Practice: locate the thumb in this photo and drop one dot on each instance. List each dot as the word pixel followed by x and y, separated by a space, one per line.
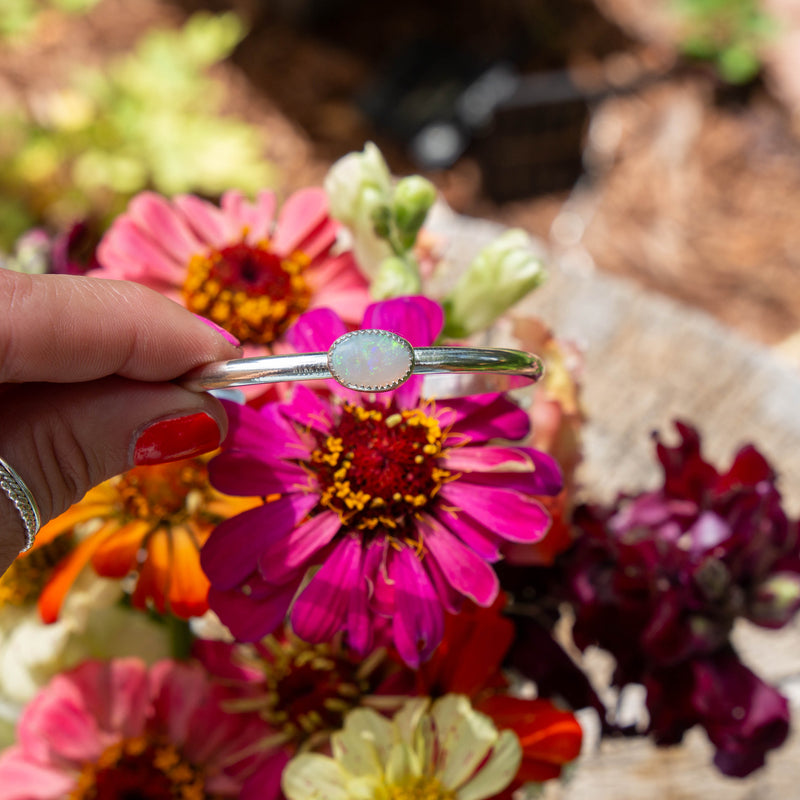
pixel 63 439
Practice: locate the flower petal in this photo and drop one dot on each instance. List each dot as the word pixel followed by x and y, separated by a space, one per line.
pixel 337 273
pixel 117 262
pixel 245 474
pixel 466 739
pixel 156 216
pixel 251 618
pixel 465 571
pixel 23 779
pixel 364 612
pixel 155 573
pixel 349 300
pixel 299 217
pixel 131 241
pixel 59 727
pixel 308 409
pixel 210 224
pixel 483 541
pixel 365 743
pixel 512 515
pixel 265 782
pixel 315 331
pixel 549 736
pixel 80 512
pixel 523 469
pixel 452 601
pixel 320 611
pixel 418 623
pixel 115 693
pixel 484 417
pixel 417 319
pixel 177 689
pixel 320 240
pixel 262 431
pixel 497 772
pixel 117 555
pixel 188 585
pixel 231 553
pixel 64 575
pixel 253 218
pixel 311 775
pixel 294 551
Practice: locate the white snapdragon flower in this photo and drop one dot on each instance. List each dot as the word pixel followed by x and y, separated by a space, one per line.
pixel 499 276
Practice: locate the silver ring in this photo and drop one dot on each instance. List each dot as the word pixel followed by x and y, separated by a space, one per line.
pixel 368 360
pixel 20 495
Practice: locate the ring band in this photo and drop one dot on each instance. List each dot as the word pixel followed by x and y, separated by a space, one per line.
pixel 18 493
pixel 368 360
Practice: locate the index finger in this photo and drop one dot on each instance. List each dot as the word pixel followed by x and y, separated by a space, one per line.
pixel 62 328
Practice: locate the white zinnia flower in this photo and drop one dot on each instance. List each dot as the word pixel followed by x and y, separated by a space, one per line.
pixel 443 751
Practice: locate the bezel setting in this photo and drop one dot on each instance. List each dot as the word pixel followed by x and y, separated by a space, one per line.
pixel 343 358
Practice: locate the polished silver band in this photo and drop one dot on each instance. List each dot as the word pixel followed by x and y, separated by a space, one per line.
pixel 18 493
pixel 380 361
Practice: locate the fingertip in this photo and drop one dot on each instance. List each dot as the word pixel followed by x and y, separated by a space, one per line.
pixel 226 335
pixel 176 438
pixel 67 329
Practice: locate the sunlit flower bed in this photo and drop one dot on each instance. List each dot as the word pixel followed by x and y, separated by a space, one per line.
pixel 357 595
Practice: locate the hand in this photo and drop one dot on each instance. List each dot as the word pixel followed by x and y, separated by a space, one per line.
pixel 85 392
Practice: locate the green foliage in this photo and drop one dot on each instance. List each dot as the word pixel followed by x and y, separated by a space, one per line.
pixel 149 119
pixel 728 33
pixel 18 18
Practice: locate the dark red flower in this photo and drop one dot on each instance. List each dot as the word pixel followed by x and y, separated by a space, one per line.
pixel 743 716
pixel 659 579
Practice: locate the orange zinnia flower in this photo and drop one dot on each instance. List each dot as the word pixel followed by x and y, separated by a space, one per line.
pixel 153 520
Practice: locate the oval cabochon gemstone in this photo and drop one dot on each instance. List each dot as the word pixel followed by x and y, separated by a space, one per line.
pixel 370 360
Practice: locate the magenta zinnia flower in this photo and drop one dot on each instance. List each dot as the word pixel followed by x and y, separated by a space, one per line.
pixel 118 729
pixel 236 264
pixel 399 502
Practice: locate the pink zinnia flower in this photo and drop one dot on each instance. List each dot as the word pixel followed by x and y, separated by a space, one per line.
pixel 236 264
pixel 118 729
pixel 400 501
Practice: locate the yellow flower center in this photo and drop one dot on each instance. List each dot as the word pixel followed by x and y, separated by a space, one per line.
pixel 24 580
pixel 159 493
pixel 248 290
pixel 379 467
pixel 140 769
pixel 422 788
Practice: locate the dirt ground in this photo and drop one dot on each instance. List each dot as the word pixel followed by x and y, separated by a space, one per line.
pixel 685 191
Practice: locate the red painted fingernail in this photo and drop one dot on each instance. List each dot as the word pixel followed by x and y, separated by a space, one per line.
pixel 176 438
pixel 227 335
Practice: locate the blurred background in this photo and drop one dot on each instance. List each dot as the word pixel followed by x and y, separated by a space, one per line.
pixel 652 138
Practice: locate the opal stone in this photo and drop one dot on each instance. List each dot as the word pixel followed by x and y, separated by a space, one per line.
pixel 370 360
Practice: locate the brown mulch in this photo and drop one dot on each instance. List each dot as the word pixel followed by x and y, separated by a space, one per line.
pixel 698 201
